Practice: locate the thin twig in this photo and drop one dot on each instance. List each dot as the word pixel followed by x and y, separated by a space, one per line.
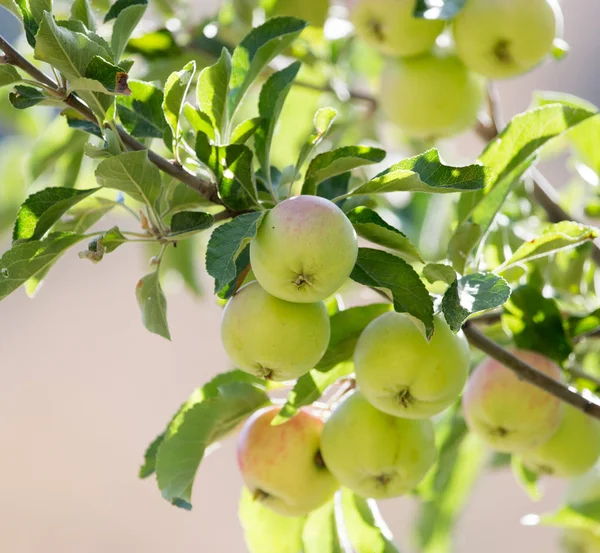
pixel 204 187
pixel 526 372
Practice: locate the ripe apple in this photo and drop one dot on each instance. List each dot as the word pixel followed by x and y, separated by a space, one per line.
pixel 504 38
pixel 282 465
pixel 403 374
pixel 313 11
pixel 389 26
pixel 430 96
pixel 304 250
pixel 510 414
pixel 375 454
pixel 271 338
pixel 580 540
pixel 572 450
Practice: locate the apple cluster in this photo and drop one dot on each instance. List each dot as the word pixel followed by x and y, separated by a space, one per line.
pixel 431 91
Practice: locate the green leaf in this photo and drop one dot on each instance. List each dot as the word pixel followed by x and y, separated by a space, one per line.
pixel 309 388
pixel 472 294
pixel 199 121
pixel 199 426
pixel 84 215
pixel 141 112
pixel 225 246
pixel 461 244
pixel 272 97
pixel 527 479
pixel 41 210
pixel 176 91
pixel 127 20
pixel 186 223
pixel 363 524
pixel 104 77
pixel 346 328
pixel 12 7
pixel 256 51
pixel 24 97
pixel 237 185
pixel 28 259
pixel 435 272
pixel 425 173
pixel 320 533
pixel 438 9
pixel 32 12
pixel 245 130
pixel 180 197
pixel 153 304
pixel 580 326
pixel 8 75
pixel 383 270
pixel 133 174
pixel 536 324
pixel 82 11
pixel 370 226
pixel 267 532
pixel 336 162
pixel 556 237
pixel 121 5
pixel 446 487
pixel 107 243
pixel 149 466
pixel 212 89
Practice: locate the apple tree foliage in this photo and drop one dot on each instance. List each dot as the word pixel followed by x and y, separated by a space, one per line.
pixel 191 135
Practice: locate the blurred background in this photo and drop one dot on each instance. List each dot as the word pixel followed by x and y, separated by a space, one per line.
pixel 84 387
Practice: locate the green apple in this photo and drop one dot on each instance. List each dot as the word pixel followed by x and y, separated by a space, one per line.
pixel 504 38
pixel 509 414
pixel 271 338
pixel 572 450
pixel 580 540
pixel 403 374
pixel 389 26
pixel 431 96
pixel 313 11
pixel 282 465
pixel 305 249
pixel 375 454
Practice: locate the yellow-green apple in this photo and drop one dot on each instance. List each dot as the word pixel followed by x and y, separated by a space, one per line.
pixel 272 338
pixel 572 450
pixel 282 465
pixel 509 414
pixel 504 38
pixel 313 11
pixel 430 96
pixel 375 454
pixel 580 540
pixel 403 374
pixel 390 26
pixel 304 250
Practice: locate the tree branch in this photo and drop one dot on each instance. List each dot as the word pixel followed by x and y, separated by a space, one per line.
pixel 205 188
pixel 526 372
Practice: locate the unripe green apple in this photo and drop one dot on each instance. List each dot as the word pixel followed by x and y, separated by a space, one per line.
pixel 403 374
pixel 282 465
pixel 389 26
pixel 271 338
pixel 580 540
pixel 504 38
pixel 313 11
pixel 375 454
pixel 304 250
pixel 572 450
pixel 510 414
pixel 430 96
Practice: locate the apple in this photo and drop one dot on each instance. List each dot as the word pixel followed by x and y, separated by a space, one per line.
pixel 509 414
pixel 375 454
pixel 313 11
pixel 505 38
pixel 430 96
pixel 271 338
pixel 282 465
pixel 389 26
pixel 572 450
pixel 304 250
pixel 403 374
pixel 580 540
pixel 584 489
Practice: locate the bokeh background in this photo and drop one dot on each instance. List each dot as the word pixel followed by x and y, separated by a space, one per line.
pixel 84 388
